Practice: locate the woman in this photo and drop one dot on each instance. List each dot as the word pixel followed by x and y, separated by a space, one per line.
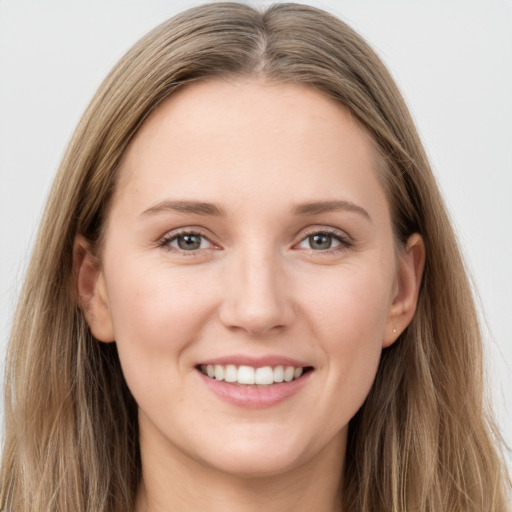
pixel 246 292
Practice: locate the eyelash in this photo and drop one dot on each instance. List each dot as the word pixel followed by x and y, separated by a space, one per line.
pixel 345 241
pixel 166 240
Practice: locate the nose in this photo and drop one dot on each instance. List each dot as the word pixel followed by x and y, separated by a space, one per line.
pixel 257 296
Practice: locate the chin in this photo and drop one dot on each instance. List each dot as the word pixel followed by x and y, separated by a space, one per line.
pixel 257 456
pixel 257 464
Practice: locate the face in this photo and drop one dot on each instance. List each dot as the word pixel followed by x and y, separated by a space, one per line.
pixel 249 276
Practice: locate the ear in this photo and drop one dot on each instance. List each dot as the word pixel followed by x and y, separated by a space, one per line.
pixel 91 290
pixel 408 281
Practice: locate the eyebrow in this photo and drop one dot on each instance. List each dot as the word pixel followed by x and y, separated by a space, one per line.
pixel 212 209
pixel 195 207
pixel 315 208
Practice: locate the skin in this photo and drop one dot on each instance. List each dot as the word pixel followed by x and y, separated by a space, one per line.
pixel 255 286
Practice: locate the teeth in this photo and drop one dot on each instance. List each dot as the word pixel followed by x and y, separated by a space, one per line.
pixel 219 372
pixel 245 375
pixel 248 375
pixel 289 372
pixel 278 374
pixel 231 373
pixel 264 375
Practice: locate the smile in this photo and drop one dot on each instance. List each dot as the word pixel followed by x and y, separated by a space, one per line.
pixel 254 383
pixel 250 376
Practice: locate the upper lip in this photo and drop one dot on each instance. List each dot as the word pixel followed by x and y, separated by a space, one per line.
pixel 255 362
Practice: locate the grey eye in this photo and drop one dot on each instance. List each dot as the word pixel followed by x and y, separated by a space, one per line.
pixel 189 242
pixel 319 242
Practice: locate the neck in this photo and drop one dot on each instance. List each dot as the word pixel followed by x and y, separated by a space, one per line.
pixel 177 483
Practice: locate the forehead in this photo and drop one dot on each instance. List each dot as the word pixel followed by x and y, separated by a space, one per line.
pixel 250 135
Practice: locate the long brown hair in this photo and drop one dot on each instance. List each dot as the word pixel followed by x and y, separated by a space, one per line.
pixel 422 440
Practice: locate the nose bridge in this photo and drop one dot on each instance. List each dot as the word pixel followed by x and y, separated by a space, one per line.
pixel 255 298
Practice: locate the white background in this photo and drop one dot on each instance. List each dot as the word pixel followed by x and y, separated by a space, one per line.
pixel 451 58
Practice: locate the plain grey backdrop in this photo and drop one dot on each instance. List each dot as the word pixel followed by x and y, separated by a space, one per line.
pixel 452 60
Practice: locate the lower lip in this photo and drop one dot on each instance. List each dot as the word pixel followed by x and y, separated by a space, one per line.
pixel 254 397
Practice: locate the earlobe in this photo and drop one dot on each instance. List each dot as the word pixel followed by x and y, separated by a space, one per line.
pixel 91 290
pixel 409 275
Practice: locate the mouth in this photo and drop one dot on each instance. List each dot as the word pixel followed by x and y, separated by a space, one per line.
pixel 254 377
pixel 252 382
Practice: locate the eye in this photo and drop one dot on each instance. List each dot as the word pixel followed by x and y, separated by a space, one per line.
pixel 186 241
pixel 324 241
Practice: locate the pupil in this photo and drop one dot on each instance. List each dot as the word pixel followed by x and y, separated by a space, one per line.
pixel 321 242
pixel 189 242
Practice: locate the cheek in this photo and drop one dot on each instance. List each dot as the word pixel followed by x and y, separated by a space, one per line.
pixel 156 311
pixel 157 314
pixel 349 319
pixel 353 307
